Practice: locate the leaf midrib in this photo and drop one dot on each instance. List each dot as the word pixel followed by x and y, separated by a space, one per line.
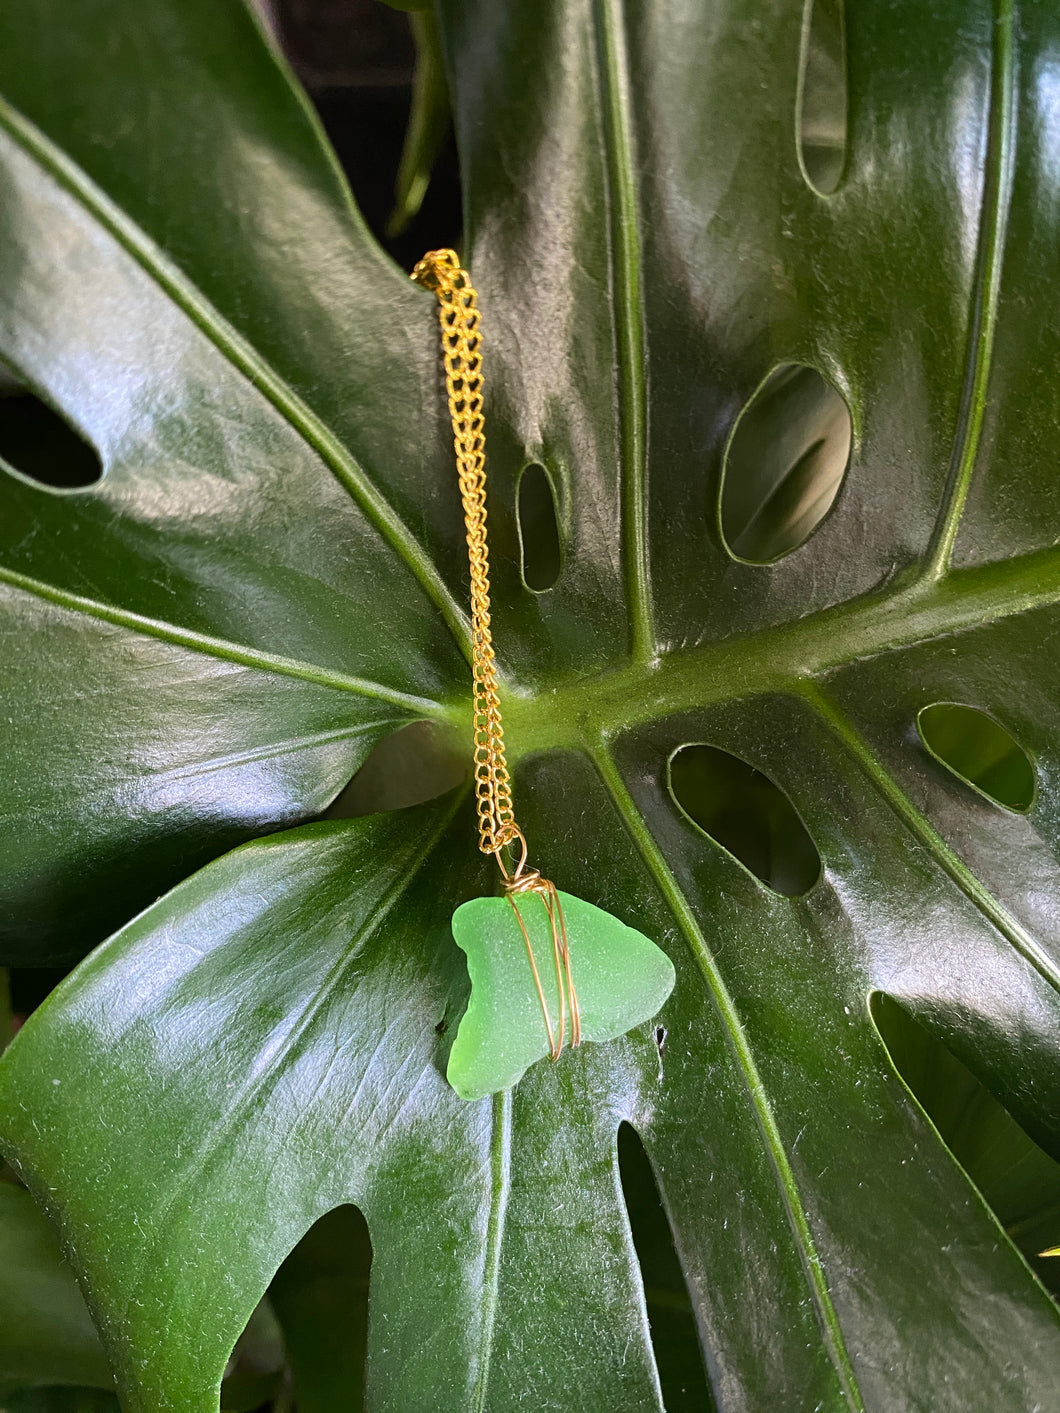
pixel 612 68
pixel 778 658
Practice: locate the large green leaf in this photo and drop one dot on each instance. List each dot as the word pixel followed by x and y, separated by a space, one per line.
pixel 267 581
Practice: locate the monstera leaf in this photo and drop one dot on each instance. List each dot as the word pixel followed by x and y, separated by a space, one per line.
pixel 717 247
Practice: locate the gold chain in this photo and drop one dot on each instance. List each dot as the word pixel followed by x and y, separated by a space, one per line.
pixel 440 271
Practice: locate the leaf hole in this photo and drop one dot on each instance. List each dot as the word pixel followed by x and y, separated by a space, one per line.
pixel 1017 1179
pixel 39 442
pixel 821 102
pixel 660 1038
pixel 671 1319
pixel 741 809
pixel 784 465
pixel 320 1296
pixel 417 763
pixel 539 539
pixel 979 751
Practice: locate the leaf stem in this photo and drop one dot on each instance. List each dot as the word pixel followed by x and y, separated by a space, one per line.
pixel 779 658
pixel 428 124
pixel 626 264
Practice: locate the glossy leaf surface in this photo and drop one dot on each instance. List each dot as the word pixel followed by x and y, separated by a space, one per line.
pixel 268 580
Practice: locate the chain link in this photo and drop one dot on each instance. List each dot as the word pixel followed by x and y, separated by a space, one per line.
pixel 440 271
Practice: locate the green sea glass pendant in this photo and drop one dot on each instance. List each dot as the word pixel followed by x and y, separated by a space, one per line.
pixel 537 958
pixel 622 978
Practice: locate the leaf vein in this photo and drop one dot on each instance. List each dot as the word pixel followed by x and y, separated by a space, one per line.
pixel 242 356
pixel 626 263
pixel 266 1066
pixel 500 1187
pixel 1009 927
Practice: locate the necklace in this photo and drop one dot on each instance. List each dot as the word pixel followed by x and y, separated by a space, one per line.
pixel 622 977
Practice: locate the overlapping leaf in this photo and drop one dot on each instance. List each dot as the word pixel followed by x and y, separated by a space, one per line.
pixel 46 1336
pixel 266 581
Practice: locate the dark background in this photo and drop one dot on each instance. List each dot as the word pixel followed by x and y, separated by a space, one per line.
pixel 355 59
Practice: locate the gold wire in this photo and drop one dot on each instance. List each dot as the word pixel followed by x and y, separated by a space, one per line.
pixel 553 1048
pixel 440 272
